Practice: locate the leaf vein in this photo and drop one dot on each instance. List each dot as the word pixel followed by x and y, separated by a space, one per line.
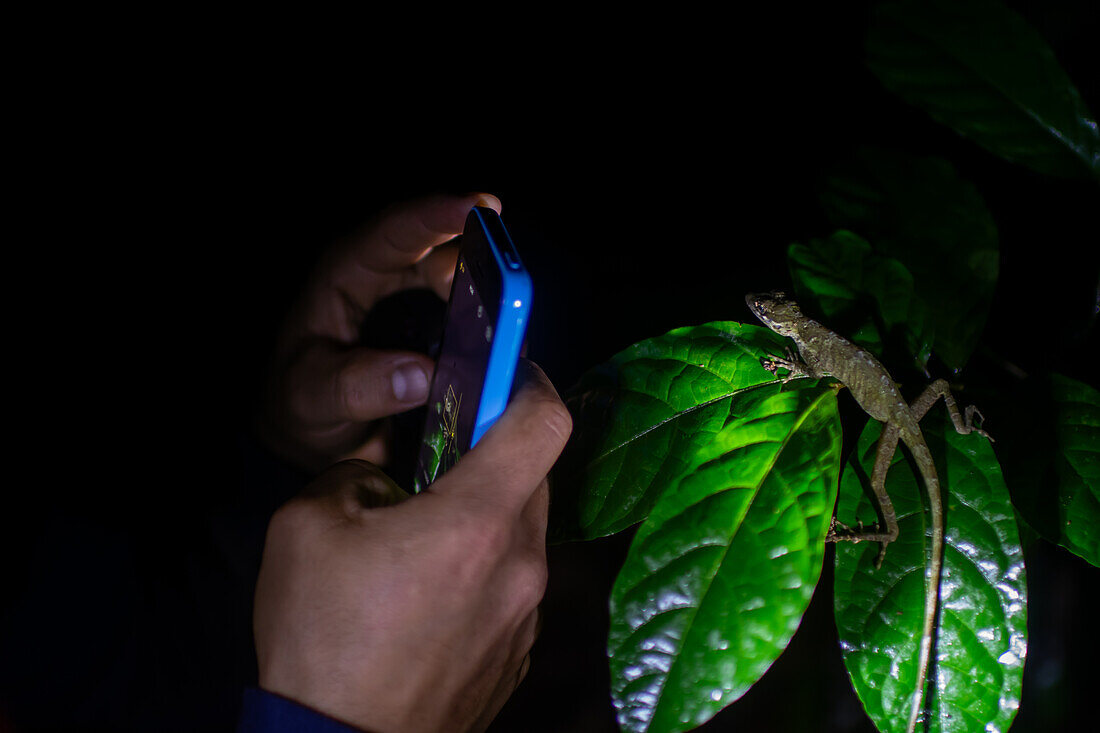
pixel 813 406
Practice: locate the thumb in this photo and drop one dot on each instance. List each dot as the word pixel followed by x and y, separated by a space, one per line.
pixel 510 462
pixel 330 385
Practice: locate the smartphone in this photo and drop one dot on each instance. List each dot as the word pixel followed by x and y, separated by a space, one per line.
pixel 483 334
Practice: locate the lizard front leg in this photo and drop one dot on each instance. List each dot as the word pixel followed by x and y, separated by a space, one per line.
pixel 795 366
pixel 884 453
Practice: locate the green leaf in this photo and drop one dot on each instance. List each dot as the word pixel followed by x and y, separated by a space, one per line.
pixel 718 577
pixel 434 442
pixel 640 417
pixel 1055 471
pixel 861 294
pixel 919 212
pixel 1078 466
pixel 977 67
pixel 975 680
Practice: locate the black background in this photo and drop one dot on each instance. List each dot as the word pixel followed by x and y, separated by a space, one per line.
pixel 651 170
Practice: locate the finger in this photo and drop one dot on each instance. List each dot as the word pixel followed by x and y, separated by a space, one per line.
pixel 376 448
pixel 401 236
pixel 403 233
pixel 391 254
pixel 525 639
pixel 510 462
pixel 330 386
pixel 437 270
pixel 352 486
pixel 524 666
pixel 536 514
pixel 515 670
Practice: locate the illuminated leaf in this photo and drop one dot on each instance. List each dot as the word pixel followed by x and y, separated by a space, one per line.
pixel 980 639
pixel 718 577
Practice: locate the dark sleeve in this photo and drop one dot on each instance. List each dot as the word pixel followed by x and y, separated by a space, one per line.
pixel 266 712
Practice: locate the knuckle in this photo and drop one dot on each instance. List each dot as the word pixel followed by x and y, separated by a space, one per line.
pixel 530 585
pixel 480 537
pixel 290 522
pixel 351 390
pixel 474 558
pixel 491 541
pixel 556 419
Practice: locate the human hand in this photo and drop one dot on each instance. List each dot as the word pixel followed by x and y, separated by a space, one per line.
pixel 327 392
pixel 416 616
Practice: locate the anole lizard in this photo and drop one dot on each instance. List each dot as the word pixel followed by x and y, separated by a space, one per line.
pixel 824 353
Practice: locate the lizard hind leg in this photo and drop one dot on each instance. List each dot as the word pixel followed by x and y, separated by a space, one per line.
pixel 888 531
pixel 963 422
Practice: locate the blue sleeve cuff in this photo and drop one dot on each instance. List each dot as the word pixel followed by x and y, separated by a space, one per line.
pixel 266 712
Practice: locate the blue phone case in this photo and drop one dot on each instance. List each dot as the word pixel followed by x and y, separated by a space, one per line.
pixel 486 323
pixel 511 325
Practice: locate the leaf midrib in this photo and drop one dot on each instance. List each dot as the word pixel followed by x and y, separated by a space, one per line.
pixel 670 418
pixel 682 413
pixel 725 552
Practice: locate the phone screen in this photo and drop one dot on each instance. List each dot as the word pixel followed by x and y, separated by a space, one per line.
pixel 456 387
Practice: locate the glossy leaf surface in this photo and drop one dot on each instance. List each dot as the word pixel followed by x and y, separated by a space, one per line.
pixel 981 632
pixel 1078 466
pixel 861 293
pixel 640 417
pixel 977 67
pixel 1055 469
pixel 719 575
pixel 919 212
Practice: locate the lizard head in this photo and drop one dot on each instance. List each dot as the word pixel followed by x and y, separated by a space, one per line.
pixel 775 311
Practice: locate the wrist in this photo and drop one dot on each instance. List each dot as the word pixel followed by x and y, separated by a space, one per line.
pixel 264 711
pixel 355 706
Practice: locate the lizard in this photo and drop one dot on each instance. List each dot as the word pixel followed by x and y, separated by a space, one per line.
pixel 827 354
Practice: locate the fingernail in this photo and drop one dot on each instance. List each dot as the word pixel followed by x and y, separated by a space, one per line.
pixel 488 200
pixel 410 383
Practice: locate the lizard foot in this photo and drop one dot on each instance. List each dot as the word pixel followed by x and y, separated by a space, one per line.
pixel 845 533
pixel 969 414
pixel 840 532
pixel 795 368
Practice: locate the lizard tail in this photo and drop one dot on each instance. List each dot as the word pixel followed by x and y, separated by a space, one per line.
pixel 927 468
